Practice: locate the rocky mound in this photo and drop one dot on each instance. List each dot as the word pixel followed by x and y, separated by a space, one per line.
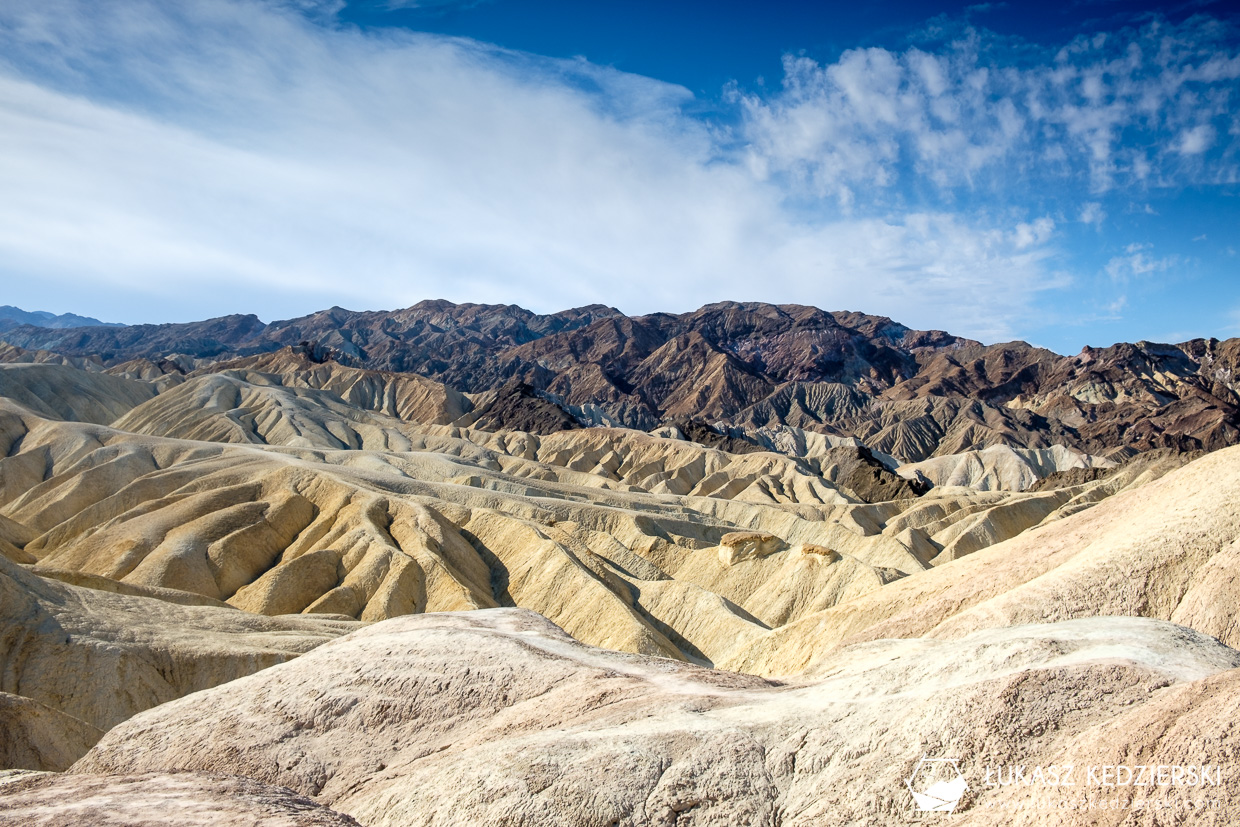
pixel 856 470
pixel 1002 468
pixel 498 717
pixel 37 737
pixel 401 395
pixel 64 392
pixel 612 534
pixel 516 406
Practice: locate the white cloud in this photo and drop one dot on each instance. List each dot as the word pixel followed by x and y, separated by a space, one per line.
pixel 1039 232
pixel 313 8
pixel 1196 140
pixel 194 156
pixel 1092 213
pixel 393 5
pixel 1137 263
pixel 858 122
pixel 1115 308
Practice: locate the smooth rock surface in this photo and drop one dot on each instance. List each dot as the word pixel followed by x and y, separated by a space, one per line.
pixel 497 717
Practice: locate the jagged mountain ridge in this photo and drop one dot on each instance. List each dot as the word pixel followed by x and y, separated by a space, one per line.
pixel 743 366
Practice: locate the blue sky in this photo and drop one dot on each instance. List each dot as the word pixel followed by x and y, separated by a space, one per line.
pixel 1067 174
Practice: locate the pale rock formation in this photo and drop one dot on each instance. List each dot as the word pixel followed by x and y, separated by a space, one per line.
pixel 667 432
pixel 14 553
pixel 64 392
pixel 1000 467
pixel 1162 550
pixel 801 443
pixel 107 584
pixel 496 717
pixel 738 546
pixel 183 799
pixel 13 537
pixel 583 527
pixel 291 588
pixel 227 408
pixel 404 396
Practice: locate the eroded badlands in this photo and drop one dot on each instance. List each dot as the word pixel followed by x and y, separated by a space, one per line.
pixel 287 590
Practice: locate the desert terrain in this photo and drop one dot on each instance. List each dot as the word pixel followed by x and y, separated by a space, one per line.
pixel 755 564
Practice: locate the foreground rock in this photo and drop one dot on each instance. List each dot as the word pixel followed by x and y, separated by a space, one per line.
pixel 155 800
pixel 497 717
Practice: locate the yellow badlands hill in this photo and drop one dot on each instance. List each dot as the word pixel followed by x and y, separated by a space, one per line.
pixel 616 536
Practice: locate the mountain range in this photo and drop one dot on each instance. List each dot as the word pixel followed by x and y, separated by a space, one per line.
pixel 11 317
pixel 729 371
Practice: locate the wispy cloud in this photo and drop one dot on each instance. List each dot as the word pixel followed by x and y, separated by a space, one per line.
pixel 1092 213
pixel 1137 262
pixel 171 151
pixel 196 158
pixel 393 5
pixel 1196 140
pixel 1142 106
pixel 1035 233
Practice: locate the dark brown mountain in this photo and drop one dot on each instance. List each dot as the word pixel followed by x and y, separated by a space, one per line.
pixel 518 407
pixel 744 366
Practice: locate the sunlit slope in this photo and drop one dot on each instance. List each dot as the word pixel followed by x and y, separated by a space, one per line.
pixel 1166 549
pixel 65 392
